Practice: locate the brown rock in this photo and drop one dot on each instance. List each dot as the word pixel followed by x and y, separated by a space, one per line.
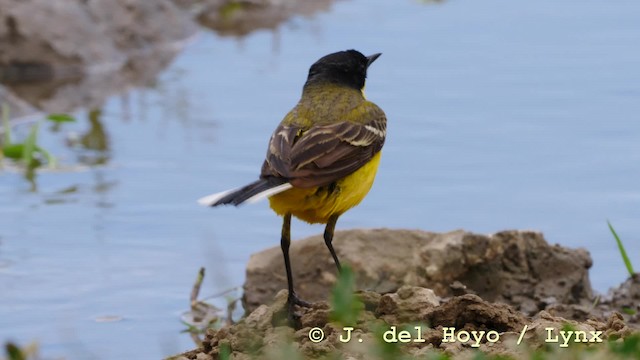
pixel 624 301
pixel 90 49
pixel 514 267
pixel 409 304
pixel 85 36
pixel 470 312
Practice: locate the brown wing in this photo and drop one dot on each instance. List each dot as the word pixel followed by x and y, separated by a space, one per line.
pixel 322 154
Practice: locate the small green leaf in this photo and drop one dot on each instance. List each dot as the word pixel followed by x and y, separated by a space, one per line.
pixel 60 118
pixel 225 351
pixel 13 151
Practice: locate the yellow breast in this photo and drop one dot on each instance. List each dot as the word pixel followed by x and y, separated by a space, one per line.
pixel 316 205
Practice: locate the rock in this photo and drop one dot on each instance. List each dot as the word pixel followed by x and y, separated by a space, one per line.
pixel 82 36
pixel 204 357
pixel 470 312
pixel 571 311
pixel 514 267
pixel 624 300
pixel 410 302
pixel 91 49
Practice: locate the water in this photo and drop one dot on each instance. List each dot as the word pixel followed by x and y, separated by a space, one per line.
pixel 502 115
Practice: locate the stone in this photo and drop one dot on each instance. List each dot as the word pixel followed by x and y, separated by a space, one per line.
pixel 90 50
pixel 514 267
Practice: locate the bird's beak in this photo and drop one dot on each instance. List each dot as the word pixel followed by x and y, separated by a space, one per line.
pixel 372 58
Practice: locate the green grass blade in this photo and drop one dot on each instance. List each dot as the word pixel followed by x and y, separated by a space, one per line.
pixel 623 252
pixel 5 123
pixel 345 305
pixel 30 145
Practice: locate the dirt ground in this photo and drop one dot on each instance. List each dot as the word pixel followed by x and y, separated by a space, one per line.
pixel 507 294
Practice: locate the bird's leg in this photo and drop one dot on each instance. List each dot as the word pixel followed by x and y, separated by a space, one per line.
pixel 328 238
pixel 285 241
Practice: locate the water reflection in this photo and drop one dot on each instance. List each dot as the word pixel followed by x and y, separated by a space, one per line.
pixel 91 91
pixel 63 196
pixel 102 188
pixel 43 81
pixel 30 176
pixel 96 140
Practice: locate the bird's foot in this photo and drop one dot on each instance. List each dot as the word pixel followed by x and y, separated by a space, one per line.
pixel 295 300
pixel 294 317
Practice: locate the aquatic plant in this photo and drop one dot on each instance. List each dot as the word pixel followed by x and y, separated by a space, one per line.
pixel 27 153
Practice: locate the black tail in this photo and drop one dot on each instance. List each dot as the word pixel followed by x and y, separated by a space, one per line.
pixel 243 194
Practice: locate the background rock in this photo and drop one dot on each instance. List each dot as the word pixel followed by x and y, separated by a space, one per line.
pixel 515 267
pixel 624 299
pixel 90 49
pixel 57 56
pixel 52 39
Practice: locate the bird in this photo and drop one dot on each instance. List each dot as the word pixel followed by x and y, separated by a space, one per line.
pixel 322 158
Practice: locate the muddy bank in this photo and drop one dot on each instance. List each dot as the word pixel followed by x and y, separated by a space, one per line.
pixel 496 284
pixel 412 321
pixel 93 49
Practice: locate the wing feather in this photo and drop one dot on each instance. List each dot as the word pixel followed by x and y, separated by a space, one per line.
pixel 321 154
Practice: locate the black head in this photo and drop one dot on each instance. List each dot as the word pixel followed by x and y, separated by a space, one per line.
pixel 347 68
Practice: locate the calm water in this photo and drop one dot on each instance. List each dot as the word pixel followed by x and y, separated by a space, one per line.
pixel 502 115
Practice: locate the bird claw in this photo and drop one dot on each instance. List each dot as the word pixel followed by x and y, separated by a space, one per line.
pixel 294 317
pixel 295 300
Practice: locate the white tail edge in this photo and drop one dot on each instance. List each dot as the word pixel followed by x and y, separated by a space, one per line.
pixel 209 200
pixel 265 194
